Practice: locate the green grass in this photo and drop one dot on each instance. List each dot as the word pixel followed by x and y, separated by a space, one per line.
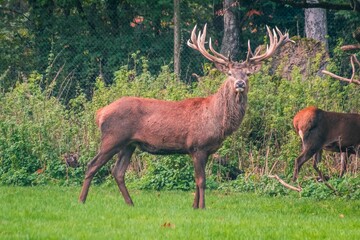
pixel 53 212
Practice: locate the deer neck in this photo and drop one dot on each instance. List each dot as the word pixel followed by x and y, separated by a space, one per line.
pixel 230 107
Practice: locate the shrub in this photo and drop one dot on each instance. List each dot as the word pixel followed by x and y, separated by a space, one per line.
pixel 36 129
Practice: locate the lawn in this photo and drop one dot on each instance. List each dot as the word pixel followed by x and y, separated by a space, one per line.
pixel 53 212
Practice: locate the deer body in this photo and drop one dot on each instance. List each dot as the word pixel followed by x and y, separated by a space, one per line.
pixel 167 127
pixel 194 126
pixel 320 130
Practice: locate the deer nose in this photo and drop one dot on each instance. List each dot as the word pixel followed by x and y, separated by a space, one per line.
pixel 240 85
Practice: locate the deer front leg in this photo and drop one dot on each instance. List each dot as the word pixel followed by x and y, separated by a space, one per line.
pixel 98 161
pixel 199 160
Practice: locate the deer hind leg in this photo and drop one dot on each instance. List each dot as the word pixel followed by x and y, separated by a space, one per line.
pixel 107 151
pixel 317 159
pixel 119 170
pixel 199 160
pixel 305 155
pixel 343 162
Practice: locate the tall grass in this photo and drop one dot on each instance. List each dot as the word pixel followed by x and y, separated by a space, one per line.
pixel 54 213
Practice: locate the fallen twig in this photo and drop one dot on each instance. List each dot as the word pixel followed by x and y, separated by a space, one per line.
pixel 298 189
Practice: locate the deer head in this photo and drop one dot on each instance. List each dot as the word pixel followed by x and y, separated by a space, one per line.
pixel 238 71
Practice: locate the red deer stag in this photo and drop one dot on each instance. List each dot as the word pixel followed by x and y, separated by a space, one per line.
pixel 320 130
pixel 195 126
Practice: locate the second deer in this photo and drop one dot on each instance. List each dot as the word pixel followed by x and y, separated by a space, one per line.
pixel 320 130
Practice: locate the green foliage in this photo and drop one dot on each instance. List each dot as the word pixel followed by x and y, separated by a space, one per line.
pixel 174 172
pixel 37 130
pixel 346 188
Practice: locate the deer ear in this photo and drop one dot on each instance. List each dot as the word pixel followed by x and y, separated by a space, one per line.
pixel 222 67
pixel 253 68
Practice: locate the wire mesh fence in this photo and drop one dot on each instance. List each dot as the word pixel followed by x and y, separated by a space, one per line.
pixel 74 50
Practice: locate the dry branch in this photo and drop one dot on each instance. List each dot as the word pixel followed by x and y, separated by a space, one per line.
pixel 298 189
pixel 350 47
pixel 353 60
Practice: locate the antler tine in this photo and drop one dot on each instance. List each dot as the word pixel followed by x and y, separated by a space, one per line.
pixel 257 57
pixel 249 53
pixel 215 52
pixel 273 42
pixel 193 39
pixel 202 36
pixel 272 36
pixel 279 32
pixel 198 43
pixel 201 44
pixel 284 37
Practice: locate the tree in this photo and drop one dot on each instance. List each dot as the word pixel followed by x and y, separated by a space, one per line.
pixel 351 10
pixel 316 23
pixel 230 40
pixel 351 5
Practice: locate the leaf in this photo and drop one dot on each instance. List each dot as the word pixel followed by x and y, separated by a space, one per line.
pixel 168 225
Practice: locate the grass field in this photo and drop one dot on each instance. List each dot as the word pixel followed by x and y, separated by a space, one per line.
pixel 53 213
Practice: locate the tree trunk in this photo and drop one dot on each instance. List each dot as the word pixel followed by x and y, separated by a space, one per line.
pixel 230 41
pixel 177 38
pixel 316 23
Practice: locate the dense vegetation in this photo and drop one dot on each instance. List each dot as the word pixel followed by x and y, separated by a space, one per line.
pixel 62 60
pixel 36 130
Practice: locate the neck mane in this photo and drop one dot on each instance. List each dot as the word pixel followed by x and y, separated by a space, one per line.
pixel 230 107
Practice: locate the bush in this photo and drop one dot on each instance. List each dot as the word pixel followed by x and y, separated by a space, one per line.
pixel 36 129
pixel 173 172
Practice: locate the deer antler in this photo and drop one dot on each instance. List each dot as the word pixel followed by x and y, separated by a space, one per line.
pixel 198 43
pixel 275 43
pixel 353 60
pixel 276 40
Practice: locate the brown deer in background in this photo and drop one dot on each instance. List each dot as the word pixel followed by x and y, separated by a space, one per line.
pixel 331 131
pixel 194 126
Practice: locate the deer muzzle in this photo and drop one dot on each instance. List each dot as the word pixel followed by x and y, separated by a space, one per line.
pixel 240 85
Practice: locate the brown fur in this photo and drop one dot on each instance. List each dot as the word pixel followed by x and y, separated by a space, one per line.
pixel 174 126
pixel 195 126
pixel 331 131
